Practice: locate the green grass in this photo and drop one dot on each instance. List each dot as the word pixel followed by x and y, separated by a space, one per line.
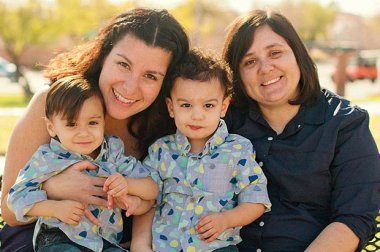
pixel 11 101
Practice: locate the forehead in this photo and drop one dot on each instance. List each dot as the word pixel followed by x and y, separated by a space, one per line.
pixel 264 36
pixel 195 88
pixel 141 54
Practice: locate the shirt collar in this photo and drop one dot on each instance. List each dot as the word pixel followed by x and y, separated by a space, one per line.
pixel 211 145
pixel 313 114
pixel 57 147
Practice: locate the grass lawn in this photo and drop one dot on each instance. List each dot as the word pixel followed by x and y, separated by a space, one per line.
pixel 11 101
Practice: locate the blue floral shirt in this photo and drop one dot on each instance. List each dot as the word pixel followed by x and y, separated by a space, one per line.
pixel 51 159
pixel 194 184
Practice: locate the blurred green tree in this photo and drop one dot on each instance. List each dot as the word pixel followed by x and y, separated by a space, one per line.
pixel 309 17
pixel 40 22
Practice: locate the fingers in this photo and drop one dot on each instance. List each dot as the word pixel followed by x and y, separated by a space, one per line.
pixel 97 191
pixel 202 229
pixel 207 229
pixel 116 185
pixel 91 217
pixel 93 200
pixel 98 181
pixel 208 232
pixel 211 236
pixel 83 165
pixel 110 202
pixel 119 191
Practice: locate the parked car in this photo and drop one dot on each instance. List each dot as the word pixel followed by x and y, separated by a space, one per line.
pixel 7 69
pixel 361 68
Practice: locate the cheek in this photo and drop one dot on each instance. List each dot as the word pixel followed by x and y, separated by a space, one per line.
pixel 150 92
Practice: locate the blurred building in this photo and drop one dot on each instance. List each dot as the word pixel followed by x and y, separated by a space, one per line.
pixel 353 31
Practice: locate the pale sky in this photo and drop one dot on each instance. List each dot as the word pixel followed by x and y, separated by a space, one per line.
pixel 359 7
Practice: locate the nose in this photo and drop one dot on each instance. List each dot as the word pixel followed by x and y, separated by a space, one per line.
pixel 197 113
pixel 131 84
pixel 265 66
pixel 83 131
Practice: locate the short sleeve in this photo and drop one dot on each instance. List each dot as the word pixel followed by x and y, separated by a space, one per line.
pixel 251 181
pixel 151 162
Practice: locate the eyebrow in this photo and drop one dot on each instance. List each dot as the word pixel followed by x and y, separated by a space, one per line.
pixel 130 62
pixel 184 100
pixel 267 47
pixel 94 117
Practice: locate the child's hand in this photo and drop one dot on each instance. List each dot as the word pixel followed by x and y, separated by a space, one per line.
pixel 69 211
pixel 210 227
pixel 116 185
pixel 129 203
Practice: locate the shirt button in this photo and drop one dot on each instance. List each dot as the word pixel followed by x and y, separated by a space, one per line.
pixel 183 229
pixel 192 199
pixel 261 164
pixel 258 250
pixel 261 224
pixel 212 166
pixel 270 138
pixel 299 125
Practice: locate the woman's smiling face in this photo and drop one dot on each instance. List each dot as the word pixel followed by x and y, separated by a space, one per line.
pixel 132 76
pixel 269 69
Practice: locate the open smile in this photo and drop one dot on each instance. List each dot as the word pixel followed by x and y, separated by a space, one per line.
pixel 267 83
pixel 122 99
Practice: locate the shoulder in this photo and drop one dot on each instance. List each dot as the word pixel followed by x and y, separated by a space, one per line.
pixel 341 109
pixel 114 140
pixel 235 116
pixel 163 142
pixel 238 143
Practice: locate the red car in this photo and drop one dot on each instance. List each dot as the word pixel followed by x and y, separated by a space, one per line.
pixel 362 68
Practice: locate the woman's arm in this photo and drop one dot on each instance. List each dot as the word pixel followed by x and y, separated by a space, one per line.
pixel 29 133
pixel 142 232
pixel 335 237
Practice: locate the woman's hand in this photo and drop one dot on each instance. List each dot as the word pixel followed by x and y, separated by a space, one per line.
pixel 72 184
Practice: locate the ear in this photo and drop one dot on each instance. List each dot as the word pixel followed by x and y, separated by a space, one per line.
pixel 225 104
pixel 169 104
pixel 50 128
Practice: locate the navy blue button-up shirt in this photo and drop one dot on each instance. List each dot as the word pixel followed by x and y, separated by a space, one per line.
pixel 323 168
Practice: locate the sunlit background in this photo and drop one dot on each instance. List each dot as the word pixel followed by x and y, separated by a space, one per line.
pixel 33 31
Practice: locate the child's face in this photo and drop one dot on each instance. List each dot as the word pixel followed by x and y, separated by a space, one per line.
pixel 197 107
pixel 86 133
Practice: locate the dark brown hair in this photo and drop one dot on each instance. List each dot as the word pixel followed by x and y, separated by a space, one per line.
pixel 67 95
pixel 240 38
pixel 202 66
pixel 156 28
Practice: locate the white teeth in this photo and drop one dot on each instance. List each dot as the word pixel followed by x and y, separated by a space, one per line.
pixel 123 99
pixel 271 81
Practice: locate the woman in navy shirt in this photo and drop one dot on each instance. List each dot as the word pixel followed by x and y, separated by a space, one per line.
pixel 316 149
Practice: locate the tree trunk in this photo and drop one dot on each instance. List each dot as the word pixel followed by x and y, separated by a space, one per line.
pixel 23 81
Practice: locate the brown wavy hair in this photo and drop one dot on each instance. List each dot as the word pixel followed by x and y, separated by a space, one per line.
pixel 156 28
